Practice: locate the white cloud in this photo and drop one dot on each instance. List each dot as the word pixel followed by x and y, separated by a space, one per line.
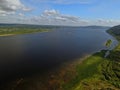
pixel 11 7
pixel 104 22
pixel 67 1
pixel 21 14
pixel 54 17
pixel 50 12
pixel 48 17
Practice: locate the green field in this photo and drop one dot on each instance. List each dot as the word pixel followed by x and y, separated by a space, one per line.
pixel 6 31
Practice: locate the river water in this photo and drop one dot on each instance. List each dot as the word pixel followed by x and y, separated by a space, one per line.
pixel 28 54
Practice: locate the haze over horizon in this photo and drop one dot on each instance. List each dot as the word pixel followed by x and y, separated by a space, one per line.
pixel 60 12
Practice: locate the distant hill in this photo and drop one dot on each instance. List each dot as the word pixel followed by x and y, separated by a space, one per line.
pixel 25 25
pixel 95 27
pixel 49 26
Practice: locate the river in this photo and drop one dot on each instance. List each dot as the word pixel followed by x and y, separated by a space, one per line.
pixel 29 54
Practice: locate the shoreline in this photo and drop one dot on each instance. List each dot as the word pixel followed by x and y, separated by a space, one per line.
pixel 3 35
pixel 53 78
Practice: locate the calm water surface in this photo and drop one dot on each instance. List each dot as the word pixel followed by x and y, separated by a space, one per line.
pixel 24 55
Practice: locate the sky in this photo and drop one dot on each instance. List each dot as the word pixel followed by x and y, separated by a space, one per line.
pixel 61 12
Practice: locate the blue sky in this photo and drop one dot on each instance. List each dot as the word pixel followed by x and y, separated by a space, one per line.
pixel 66 12
pixel 108 9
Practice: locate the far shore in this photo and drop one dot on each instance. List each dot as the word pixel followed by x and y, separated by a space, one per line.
pixel 3 35
pixel 7 35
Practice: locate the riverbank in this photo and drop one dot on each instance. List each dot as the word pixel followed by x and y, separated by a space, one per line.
pixel 98 72
pixel 90 74
pixel 95 73
pixel 10 31
pixel 19 33
pixel 54 79
pixel 7 35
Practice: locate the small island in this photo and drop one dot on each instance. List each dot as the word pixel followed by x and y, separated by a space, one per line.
pixel 108 43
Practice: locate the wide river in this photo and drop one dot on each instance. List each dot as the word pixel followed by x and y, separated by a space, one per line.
pixel 28 54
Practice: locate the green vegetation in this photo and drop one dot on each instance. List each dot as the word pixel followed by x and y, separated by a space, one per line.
pixel 13 30
pixel 88 69
pixel 98 72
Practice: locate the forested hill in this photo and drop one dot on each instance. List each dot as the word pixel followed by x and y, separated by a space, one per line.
pixel 115 31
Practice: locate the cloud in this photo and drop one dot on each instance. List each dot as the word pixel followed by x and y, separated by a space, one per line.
pixel 50 13
pixel 67 1
pixel 11 7
pixel 21 14
pixel 104 22
pixel 47 17
pixel 54 17
pixel 54 14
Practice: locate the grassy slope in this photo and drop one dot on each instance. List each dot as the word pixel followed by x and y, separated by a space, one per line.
pixel 97 72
